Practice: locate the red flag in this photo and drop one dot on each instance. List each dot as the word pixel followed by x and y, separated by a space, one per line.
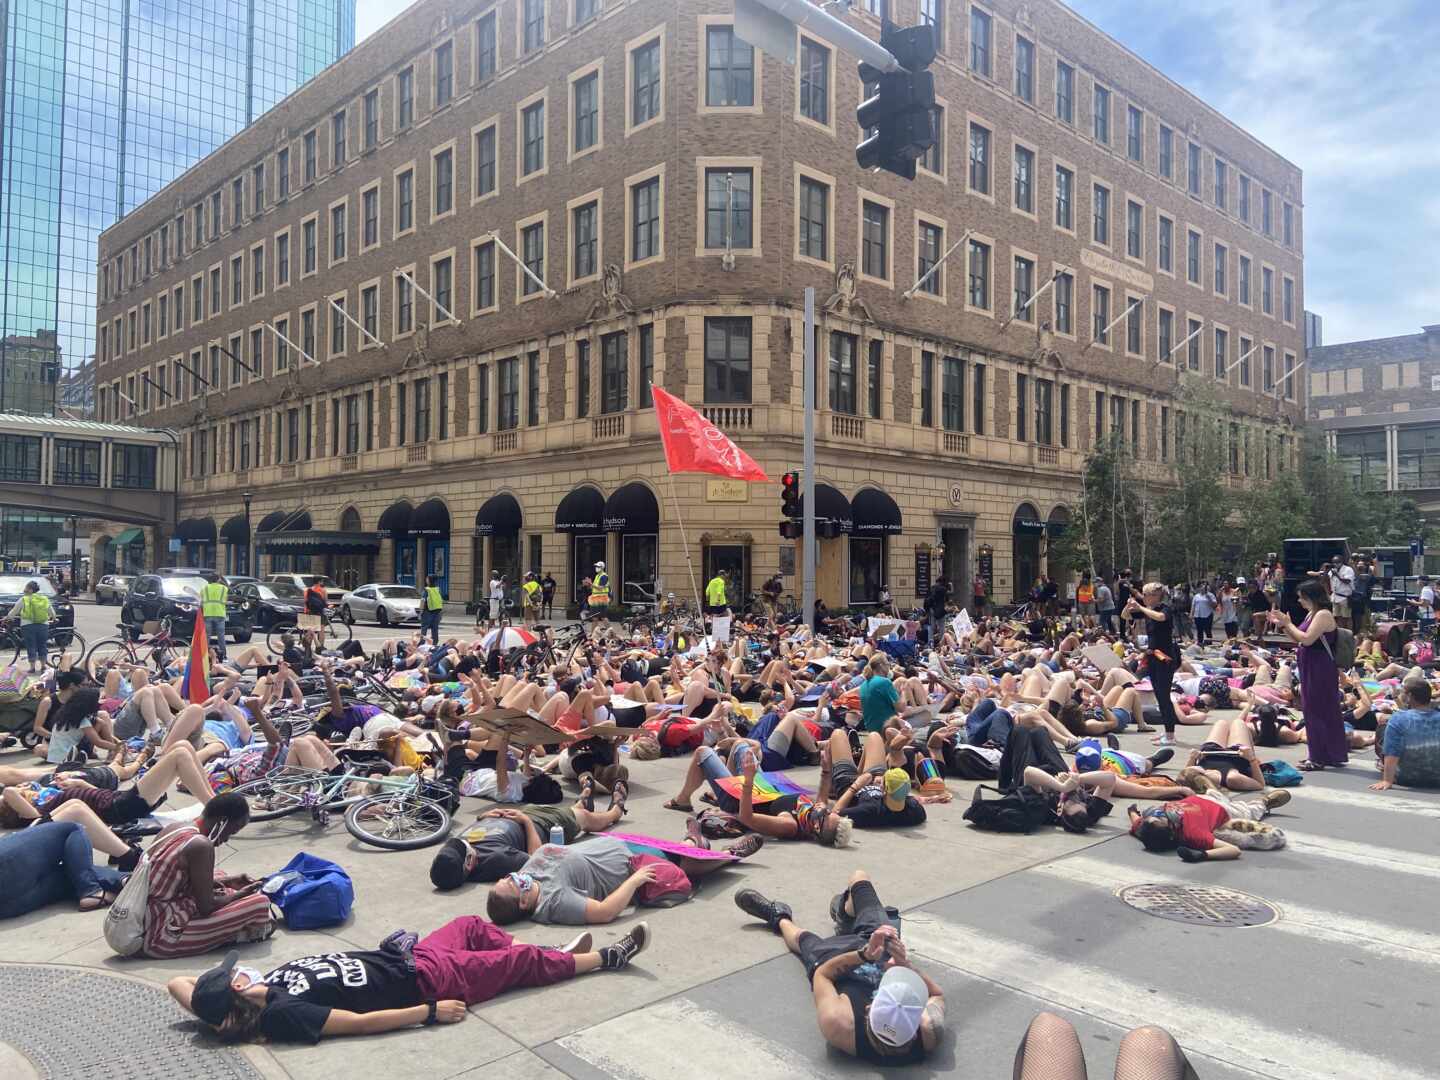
pixel 694 444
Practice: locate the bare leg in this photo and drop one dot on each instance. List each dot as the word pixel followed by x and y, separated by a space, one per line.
pixel 99 834
pixel 310 752
pixel 190 720
pixel 179 762
pixel 594 821
pixel 872 755
pixel 556 707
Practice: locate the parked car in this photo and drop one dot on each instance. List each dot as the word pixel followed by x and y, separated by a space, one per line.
pixel 190 571
pixel 384 604
pixel 272 603
pixel 240 579
pixel 177 597
pixel 12 585
pixel 111 588
pixel 333 592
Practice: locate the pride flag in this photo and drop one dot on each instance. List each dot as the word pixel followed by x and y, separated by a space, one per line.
pixel 197 667
pixel 769 786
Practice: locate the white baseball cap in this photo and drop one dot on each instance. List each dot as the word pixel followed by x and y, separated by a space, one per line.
pixel 599 566
pixel 897 1006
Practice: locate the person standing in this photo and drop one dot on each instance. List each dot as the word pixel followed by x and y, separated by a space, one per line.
pixel 430 613
pixel 1360 597
pixel 715 601
pixel 547 596
pixel 214 595
pixel 1161 654
pixel 1427 608
pixel 1319 677
pixel 1202 610
pixel 770 592
pixel 1342 588
pixel 935 603
pixel 599 598
pixel 1229 610
pixel 496 594
pixel 1085 599
pixel 33 611
pixel 981 593
pixel 530 592
pixel 1105 606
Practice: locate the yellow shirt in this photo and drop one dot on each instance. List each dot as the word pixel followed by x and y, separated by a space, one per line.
pixel 35 608
pixel 715 592
pixel 433 600
pixel 212 599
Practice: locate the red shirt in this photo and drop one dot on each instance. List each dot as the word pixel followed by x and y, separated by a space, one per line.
pixel 1199 818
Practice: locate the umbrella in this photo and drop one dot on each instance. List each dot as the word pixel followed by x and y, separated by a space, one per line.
pixel 508 637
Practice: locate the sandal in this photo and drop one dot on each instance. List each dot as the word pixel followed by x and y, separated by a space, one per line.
pixel 676 804
pixel 1311 766
pixel 587 790
pixel 96 901
pixel 619 792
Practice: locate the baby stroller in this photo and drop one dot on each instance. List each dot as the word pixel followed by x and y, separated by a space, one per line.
pixel 19 696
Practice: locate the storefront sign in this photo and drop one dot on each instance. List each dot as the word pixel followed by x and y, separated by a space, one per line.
pixel 1112 268
pixel 787 560
pixel 723 489
pixel 922 571
pixel 985 564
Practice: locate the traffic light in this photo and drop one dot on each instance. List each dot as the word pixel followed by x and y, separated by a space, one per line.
pixel 790 495
pixel 898 117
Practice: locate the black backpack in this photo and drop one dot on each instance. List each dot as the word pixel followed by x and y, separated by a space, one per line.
pixel 1018 811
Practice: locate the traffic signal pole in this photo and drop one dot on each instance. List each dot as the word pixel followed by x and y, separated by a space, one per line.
pixel 757 17
pixel 807 481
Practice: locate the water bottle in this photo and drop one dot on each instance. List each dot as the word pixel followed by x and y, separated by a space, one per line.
pixel 557 835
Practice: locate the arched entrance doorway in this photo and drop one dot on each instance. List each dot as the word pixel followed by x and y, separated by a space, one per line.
pixel 395 525
pixel 633 513
pixel 1026 532
pixel 498 522
pixel 431 523
pixel 877 518
pixel 1055 567
pixel 581 514
pixel 352 570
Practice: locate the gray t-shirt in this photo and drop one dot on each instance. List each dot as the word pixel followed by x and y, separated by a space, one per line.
pixel 64 740
pixel 1104 598
pixel 568 876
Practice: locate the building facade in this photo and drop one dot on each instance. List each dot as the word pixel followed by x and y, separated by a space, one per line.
pixel 1378 403
pixel 103 103
pixel 349 336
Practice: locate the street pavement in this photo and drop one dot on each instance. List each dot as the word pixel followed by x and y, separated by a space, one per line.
pixel 1341 984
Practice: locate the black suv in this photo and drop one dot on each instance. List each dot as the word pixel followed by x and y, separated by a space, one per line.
pixel 177 597
pixel 271 603
pixel 11 587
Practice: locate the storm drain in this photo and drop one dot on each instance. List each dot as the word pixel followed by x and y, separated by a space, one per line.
pixel 73 1023
pixel 1200 905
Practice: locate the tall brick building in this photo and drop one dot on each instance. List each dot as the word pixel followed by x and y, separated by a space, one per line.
pixel 673 193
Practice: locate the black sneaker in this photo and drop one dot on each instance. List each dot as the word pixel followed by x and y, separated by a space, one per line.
pixel 616 956
pixel 1111 741
pixel 770 912
pixel 844 922
pixel 1161 756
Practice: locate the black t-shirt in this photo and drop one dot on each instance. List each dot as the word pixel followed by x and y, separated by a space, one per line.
pixel 303 991
pixel 1160 634
pixel 869 811
pixel 547 587
pixel 500 851
pixel 468 663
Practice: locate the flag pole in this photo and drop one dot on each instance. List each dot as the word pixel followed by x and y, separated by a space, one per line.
pixel 689 563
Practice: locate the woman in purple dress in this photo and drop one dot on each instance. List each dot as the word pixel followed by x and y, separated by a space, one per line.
pixel 1319 678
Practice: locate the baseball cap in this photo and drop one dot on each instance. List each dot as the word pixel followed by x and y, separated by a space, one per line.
pixel 213 995
pixel 897 1006
pixel 447 871
pixel 897 787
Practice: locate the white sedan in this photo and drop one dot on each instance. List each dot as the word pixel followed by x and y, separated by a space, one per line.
pixel 384 604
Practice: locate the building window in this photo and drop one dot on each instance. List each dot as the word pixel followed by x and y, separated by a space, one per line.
pixel 1024 179
pixel 337 232
pixel 337 326
pixel 405 99
pixel 370 313
pixel 842 372
pixel 729 69
pixel 486 56
pixel 1065 92
pixel 337 137
pixel 875 240
pixel 1045 412
pixel 1222 353
pixel 1024 281
pixel 614 373
pixel 1192 257
pixel 1222 184
pixel 1022 407
pixel 1246 346
pixel 814 81
pixel 583 223
pixel 482 408
pixel 727 360
pixel 1193 353
pixel 404 304
pixel 933 160
pixel 585 10
pixel 444 74
pixel 444 183
pixel 532 389
pixel 533 23
pixel 282 265
pixel 1193 168
pixel 484 276
pixel 928 271
pixel 1064 304
pixel 237 289
pixel 532 122
pixel 1267 369
pixel 1267 290
pixel 309 166
pixel 1102 115
pixel 952 393
pixel 979 275
pixel 1100 231
pixel 532 248
pixel 485 161
pixel 1101 311
pixel 1134 230
pixel 1025 69
pixel 257 282
pixel 1167 153
pixel 370 218
pixel 645 220
pixel 405 201
pixel 442 277
pixel 587 113
pixel 1222 257
pixel 647 364
pixel 1287 294
pixel 582 378
pixel 1287 224
pixel 814 212
pixel 309 232
pixel 420 396
pixel 352 423
pixel 980 29
pixel 1166 335
pixel 237 214
pixel 927 389
pixel 509 395
pixel 645 83
pixel 282 346
pixel 977 405
pixel 1166 245
pixel 371 116
pixel 1134 324
pixel 728 188
pixel 1064 197
pixel 979 159
pixel 1362 456
pixel 875 369
pixel 257 202
pixel 1134 133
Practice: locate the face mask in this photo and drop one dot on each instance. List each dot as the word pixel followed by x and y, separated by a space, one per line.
pixel 522 881
pixel 251 976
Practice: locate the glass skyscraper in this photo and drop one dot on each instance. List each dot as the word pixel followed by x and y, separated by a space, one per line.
pixel 103 103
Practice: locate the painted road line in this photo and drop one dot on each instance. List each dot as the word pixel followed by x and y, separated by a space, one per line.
pixel 1379 939
pixel 646 1044
pixel 1370 856
pixel 1233 1038
pixel 1386 801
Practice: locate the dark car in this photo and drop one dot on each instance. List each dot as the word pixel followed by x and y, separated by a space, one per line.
pixel 177 597
pixel 190 571
pixel 63 612
pixel 272 603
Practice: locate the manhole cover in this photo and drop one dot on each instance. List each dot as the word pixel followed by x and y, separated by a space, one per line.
pixel 1201 905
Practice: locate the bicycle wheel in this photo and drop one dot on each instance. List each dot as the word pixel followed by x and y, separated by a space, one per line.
pixel 272 639
pixel 336 631
pixel 283 792
pixel 74 646
pixel 398 821
pixel 105 654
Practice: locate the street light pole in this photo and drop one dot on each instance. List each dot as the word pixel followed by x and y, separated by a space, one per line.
pixel 249 540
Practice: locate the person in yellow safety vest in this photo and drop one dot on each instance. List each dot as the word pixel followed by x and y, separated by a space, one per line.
pixel 715 603
pixel 430 613
pixel 213 597
pixel 33 611
pixel 531 591
pixel 600 587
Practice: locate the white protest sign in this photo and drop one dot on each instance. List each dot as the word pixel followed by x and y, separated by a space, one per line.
pixel 720 629
pixel 962 625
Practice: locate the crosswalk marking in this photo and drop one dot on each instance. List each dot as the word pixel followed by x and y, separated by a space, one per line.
pixel 1384 802
pixel 1379 939
pixel 1232 1036
pixel 642 1045
pixel 1370 856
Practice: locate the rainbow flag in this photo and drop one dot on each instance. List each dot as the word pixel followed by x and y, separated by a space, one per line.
pixel 769 786
pixel 197 667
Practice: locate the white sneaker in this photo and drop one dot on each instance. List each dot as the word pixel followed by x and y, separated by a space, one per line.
pixel 1164 740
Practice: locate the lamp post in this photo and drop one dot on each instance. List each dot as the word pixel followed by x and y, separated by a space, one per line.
pixel 249 540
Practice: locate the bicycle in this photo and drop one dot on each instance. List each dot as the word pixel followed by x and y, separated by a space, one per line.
pixel 58 641
pixel 333 632
pixel 160 651
pixel 401 816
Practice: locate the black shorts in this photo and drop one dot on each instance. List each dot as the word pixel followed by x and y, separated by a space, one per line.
pixel 870 915
pixel 842 775
pixel 628 716
pixel 129 805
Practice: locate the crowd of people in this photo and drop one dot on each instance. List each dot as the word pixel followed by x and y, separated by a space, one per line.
pixel 791 732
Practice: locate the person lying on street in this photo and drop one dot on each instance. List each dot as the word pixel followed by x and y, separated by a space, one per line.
pixel 504 838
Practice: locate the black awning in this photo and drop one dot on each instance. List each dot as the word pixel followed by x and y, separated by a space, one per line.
pixel 582 511
pixel 1058 521
pixel 832 510
pixel 320 542
pixel 632 509
pixel 431 518
pixel 395 521
pixel 875 513
pixel 196 530
pixel 285 521
pixel 500 516
pixel 236 530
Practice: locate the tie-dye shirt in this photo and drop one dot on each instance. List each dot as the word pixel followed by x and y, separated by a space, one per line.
pixel 1413 736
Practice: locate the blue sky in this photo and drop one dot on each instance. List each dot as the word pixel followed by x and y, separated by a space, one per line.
pixel 1346 89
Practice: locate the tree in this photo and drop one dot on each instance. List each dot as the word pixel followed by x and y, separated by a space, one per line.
pixel 1110 527
pixel 1266 513
pixel 1192 517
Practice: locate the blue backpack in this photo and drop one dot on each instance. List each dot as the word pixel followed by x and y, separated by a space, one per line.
pixel 1281 774
pixel 312 893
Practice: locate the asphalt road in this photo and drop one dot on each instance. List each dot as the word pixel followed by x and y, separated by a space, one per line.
pixel 1340 984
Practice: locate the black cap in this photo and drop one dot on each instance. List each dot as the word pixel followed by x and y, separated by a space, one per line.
pixel 447 870
pixel 213 995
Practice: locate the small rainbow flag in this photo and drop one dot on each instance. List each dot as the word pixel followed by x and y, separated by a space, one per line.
pixel 197 667
pixel 769 786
